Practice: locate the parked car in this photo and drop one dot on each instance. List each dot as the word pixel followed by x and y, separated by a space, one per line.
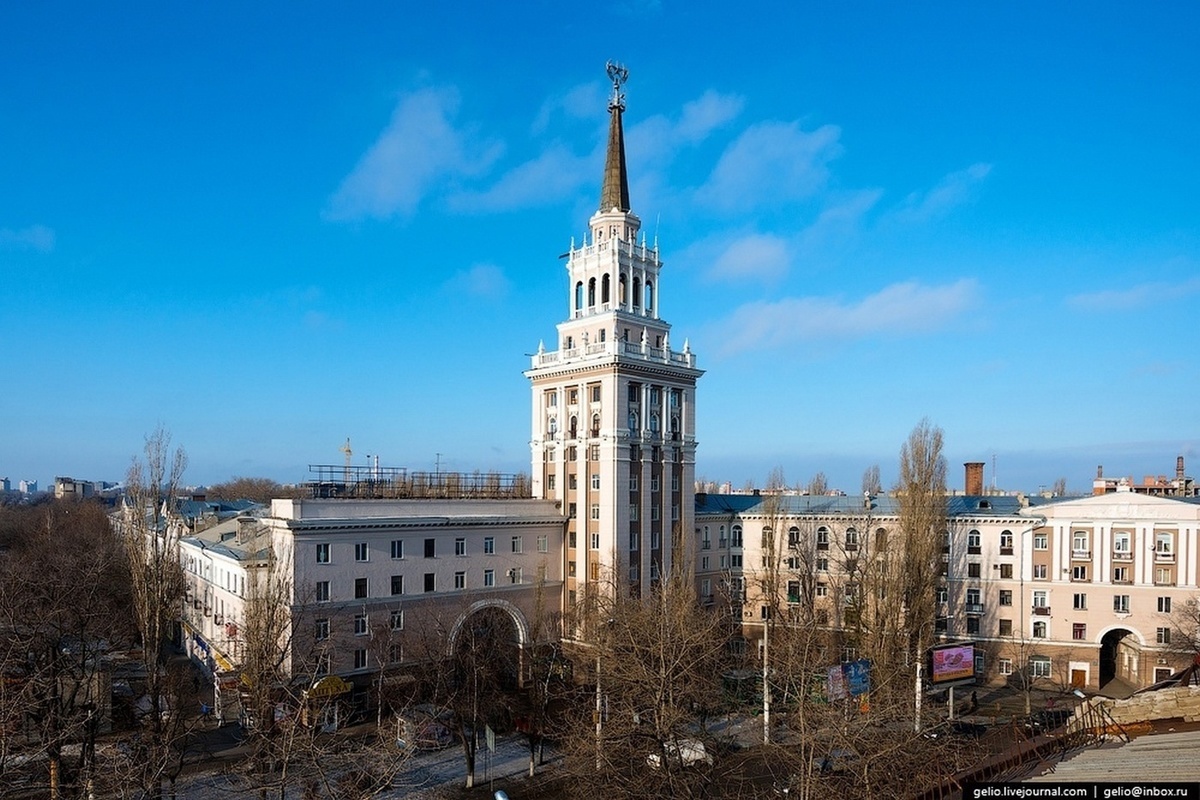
pixel 687 752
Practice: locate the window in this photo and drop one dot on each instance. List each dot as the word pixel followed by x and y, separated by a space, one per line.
pixel 397 584
pixel 633 513
pixel 596 388
pixel 595 511
pixel 360 551
pixel 595 540
pixel 633 541
pixel 460 580
pixel 1120 574
pixel 431 548
pixel 1004 666
pixel 1164 543
pixel 360 625
pixel 572 481
pixel 1006 597
pixel 489 577
pixel 397 548
pixel 1121 603
pixel 735 561
pixel 1078 631
pixel 973 598
pixel 360 658
pixel 396 653
pixel 706 540
pixel 1164 605
pixel 1041 541
pixel 596 481
pixel 1079 601
pixel 361 587
pixel 823 565
pixel 322 591
pixel 1039 666
pixel 517 545
pixel 1121 541
pixel 706 587
pixel 1039 630
pixel 822 538
pixel 321 664
pixel 1164 576
pixel 973 625
pixel 1006 571
pixel 735 535
pixel 550 481
pixel 1006 543
pixel 1079 572
pixel 594 452
pixel 633 483
pixel 654 516
pixel 851 539
pixel 1041 599
pixel 323 553
pixel 460 546
pixel 973 569
pixel 1039 572
pixel 704 563
pixel 1163 635
pixel 430 582
pixel 322 630
pixel 1080 541
pixel 397 619
pixel 489 545
pixel 515 575
pixel 822 590
pixel 1006 627
pixel 974 542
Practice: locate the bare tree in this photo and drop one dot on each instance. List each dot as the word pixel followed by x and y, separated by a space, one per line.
pixel 871 484
pixel 157 584
pixel 63 604
pixel 921 494
pixel 818 484
pixel 658 662
pixel 1060 487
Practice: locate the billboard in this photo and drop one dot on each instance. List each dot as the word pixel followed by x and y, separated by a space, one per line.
pixel 955 662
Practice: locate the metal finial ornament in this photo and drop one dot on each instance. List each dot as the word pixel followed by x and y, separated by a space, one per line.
pixel 618 75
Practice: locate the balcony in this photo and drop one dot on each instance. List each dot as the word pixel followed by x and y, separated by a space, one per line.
pixel 974 608
pixel 1006 551
pixel 1041 611
pixel 1081 555
pixel 1164 557
pixel 1122 555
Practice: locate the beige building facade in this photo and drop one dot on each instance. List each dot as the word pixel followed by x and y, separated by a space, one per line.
pixel 1071 593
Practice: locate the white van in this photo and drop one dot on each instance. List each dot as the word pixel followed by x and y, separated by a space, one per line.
pixel 686 751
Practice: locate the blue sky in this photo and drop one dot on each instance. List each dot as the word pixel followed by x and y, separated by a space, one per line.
pixel 269 229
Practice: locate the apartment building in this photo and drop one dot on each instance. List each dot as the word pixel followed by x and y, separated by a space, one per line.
pixel 1074 592
pixel 373 584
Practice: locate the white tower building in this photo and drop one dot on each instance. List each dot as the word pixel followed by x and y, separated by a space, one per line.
pixel 614 405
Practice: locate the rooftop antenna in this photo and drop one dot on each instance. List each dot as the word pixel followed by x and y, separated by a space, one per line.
pixel 346 449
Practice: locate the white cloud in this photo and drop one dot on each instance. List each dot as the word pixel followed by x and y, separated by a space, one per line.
pixel 771 162
pixel 1139 295
pixel 761 256
pixel 900 309
pixel 553 175
pixel 35 237
pixel 702 116
pixel 950 192
pixel 585 101
pixel 419 150
pixel 481 280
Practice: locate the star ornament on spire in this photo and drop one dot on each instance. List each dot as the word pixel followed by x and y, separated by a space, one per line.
pixel 618 75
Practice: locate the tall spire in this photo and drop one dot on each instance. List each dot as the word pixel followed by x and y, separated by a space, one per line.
pixel 615 192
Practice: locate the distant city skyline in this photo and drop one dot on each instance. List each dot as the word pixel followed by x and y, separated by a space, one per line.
pixel 269 229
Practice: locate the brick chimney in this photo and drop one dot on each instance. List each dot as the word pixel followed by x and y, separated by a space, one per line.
pixel 974 477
